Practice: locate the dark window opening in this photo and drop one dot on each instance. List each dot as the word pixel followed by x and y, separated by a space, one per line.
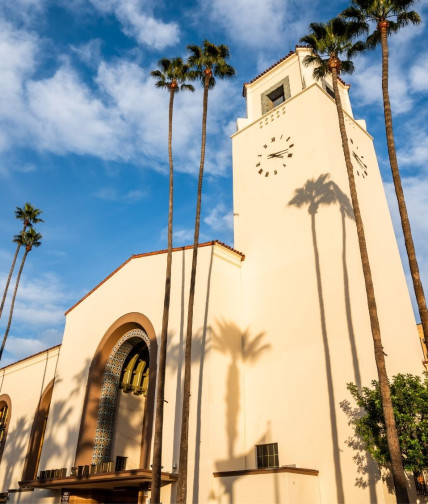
pixel 267 456
pixel 329 91
pixel 277 96
pixel 120 463
pixel 135 371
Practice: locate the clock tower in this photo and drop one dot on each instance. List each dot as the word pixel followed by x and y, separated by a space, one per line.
pixel 303 289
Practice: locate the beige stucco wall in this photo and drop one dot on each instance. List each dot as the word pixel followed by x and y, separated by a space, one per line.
pixel 283 487
pixel 25 383
pixel 138 287
pixel 294 389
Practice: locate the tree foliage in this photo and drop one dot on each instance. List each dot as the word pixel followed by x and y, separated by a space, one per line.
pixel 409 396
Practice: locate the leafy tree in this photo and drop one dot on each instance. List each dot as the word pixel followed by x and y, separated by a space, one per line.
pixel 29 216
pixel 330 42
pixel 389 16
pixel 207 62
pixel 409 395
pixel 171 75
pixel 27 239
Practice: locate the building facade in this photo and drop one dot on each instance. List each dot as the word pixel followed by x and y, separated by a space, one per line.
pixel 280 328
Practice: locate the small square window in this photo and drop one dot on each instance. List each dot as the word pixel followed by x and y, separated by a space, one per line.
pixel 120 463
pixel 267 455
pixel 277 96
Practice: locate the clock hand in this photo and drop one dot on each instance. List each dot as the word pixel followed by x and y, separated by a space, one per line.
pixel 277 154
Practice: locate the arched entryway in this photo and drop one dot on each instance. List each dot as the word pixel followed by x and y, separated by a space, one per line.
pixel 97 429
pixel 5 412
pixel 127 371
pixel 37 434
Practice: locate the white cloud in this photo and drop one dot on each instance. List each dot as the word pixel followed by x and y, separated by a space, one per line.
pixel 22 11
pixel 40 301
pixel 220 218
pixel 416 194
pixel 250 22
pixel 20 348
pixel 70 118
pixel 415 152
pixel 89 53
pixel 367 85
pixel 419 73
pixel 183 236
pixel 138 22
pixel 120 116
pixel 112 194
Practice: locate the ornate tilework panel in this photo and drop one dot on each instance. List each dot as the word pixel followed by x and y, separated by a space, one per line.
pixel 109 391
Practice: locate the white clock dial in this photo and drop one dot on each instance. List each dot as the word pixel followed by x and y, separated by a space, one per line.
pixel 274 155
pixel 358 160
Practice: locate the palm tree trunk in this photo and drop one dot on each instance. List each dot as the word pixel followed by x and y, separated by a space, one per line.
pixel 407 232
pixel 397 469
pixel 182 474
pixel 13 302
pixel 9 278
pixel 157 446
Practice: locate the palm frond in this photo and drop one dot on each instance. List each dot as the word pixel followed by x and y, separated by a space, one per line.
pixel 209 56
pixel 405 18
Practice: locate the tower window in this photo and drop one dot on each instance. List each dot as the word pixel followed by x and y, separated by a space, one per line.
pixel 276 95
pixel 328 89
pixel 267 456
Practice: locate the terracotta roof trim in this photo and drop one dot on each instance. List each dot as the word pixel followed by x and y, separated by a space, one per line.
pixel 148 254
pixel 244 93
pixel 244 89
pixel 31 356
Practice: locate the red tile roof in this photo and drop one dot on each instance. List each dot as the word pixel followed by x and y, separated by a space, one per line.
pixel 244 89
pixel 147 254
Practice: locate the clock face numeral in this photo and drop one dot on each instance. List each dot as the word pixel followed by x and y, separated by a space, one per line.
pixel 273 157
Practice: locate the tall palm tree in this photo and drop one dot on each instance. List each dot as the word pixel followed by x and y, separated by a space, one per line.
pixel 207 62
pixel 29 216
pixel 330 42
pixel 27 239
pixel 171 75
pixel 389 16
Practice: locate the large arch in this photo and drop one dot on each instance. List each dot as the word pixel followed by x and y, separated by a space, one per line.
pixel 106 347
pixel 6 411
pixel 37 434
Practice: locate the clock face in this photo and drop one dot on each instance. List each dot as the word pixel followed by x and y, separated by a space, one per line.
pixel 358 161
pixel 274 154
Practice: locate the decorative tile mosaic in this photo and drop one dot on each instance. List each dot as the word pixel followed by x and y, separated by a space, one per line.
pixel 109 391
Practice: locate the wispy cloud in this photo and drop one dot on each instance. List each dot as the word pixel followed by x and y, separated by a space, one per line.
pixel 138 22
pixel 112 194
pixel 220 218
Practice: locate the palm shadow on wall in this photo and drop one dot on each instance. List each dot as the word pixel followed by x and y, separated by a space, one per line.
pixel 313 195
pixel 241 348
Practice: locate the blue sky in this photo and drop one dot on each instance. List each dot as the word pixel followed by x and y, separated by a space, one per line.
pixel 83 133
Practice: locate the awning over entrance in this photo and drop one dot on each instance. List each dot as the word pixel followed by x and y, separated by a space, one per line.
pixel 132 478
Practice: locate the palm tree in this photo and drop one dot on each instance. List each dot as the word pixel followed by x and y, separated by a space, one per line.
pixel 29 216
pixel 390 16
pixel 329 43
pixel 207 62
pixel 171 76
pixel 27 239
